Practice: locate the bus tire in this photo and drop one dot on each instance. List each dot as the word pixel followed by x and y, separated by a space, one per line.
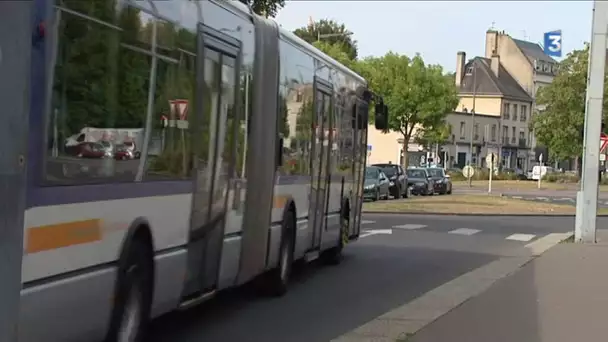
pixel 133 294
pixel 278 281
pixel 333 256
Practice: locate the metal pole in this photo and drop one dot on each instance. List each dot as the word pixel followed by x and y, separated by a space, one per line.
pixel 491 166
pixel 587 206
pixel 472 120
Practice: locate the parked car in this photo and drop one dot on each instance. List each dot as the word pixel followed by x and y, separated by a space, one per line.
pixel 376 184
pixel 398 180
pixel 420 181
pixel 88 150
pixel 518 174
pixel 442 181
pixel 122 152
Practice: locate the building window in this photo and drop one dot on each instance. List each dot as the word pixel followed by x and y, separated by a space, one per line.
pixel 462 130
pixel 505 111
pixel 476 132
pixel 514 112
pixel 513 135
pixel 505 134
pixel 524 113
pixel 493 133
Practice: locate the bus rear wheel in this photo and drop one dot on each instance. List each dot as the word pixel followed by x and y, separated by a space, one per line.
pixel 133 296
pixel 279 277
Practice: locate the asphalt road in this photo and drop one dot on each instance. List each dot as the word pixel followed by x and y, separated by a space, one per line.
pixel 379 272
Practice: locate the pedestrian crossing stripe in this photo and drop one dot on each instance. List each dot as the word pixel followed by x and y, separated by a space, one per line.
pixel 464 231
pixel 521 237
pixel 410 226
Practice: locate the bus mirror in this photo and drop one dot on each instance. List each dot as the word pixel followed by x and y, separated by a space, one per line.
pixel 381 119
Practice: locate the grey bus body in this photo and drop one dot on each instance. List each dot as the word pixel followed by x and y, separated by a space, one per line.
pixel 285 143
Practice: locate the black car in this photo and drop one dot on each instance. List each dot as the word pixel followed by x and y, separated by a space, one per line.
pixel 443 184
pixel 376 184
pixel 420 181
pixel 398 179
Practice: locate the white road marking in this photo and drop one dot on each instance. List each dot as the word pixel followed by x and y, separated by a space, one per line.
pixel 367 222
pixel 517 197
pixel 410 226
pixel 375 232
pixel 542 198
pixel 464 231
pixel 567 199
pixel 521 237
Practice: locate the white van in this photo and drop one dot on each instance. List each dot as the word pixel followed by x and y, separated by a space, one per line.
pixel 540 171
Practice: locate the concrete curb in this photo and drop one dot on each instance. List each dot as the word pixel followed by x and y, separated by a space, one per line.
pixel 406 320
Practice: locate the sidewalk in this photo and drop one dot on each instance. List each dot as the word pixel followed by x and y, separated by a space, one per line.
pixel 560 296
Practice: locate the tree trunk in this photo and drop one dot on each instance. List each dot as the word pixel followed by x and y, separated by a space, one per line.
pixel 406 143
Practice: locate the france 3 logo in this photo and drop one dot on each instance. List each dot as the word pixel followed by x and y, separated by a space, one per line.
pixel 553 43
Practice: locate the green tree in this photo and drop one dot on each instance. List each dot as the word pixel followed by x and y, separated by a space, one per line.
pixel 335 51
pixel 267 8
pixel 419 96
pixel 340 36
pixel 434 135
pixel 560 124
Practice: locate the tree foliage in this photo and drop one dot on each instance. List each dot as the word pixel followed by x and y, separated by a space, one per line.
pixel 434 135
pixel 267 8
pixel 342 37
pixel 419 96
pixel 335 51
pixel 560 124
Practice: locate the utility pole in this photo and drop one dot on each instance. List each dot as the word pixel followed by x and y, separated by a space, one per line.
pixel 586 199
pixel 472 120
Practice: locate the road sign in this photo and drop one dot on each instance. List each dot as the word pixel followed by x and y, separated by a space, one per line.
pixel 540 158
pixel 553 43
pixel 491 160
pixel 179 108
pixel 438 160
pixel 603 142
pixel 369 148
pixel 468 171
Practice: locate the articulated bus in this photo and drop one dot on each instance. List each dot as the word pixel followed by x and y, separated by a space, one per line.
pixel 251 148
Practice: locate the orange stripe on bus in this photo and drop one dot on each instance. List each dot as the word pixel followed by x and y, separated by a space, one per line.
pixel 44 238
pixel 279 202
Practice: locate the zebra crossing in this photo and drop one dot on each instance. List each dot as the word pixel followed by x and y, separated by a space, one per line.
pixel 462 231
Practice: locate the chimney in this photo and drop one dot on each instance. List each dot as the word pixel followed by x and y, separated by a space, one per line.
pixel 491 43
pixel 460 58
pixel 495 65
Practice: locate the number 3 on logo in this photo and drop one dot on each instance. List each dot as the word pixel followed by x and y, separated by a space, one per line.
pixel 555 42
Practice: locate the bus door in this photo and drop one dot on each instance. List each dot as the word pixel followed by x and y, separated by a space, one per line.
pixel 360 157
pixel 217 84
pixel 320 171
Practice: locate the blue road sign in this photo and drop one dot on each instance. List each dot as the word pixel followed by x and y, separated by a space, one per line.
pixel 553 43
pixel 369 148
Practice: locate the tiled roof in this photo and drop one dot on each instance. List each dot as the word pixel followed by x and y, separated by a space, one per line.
pixel 488 84
pixel 533 51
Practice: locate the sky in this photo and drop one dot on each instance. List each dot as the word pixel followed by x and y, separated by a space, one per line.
pixel 439 29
